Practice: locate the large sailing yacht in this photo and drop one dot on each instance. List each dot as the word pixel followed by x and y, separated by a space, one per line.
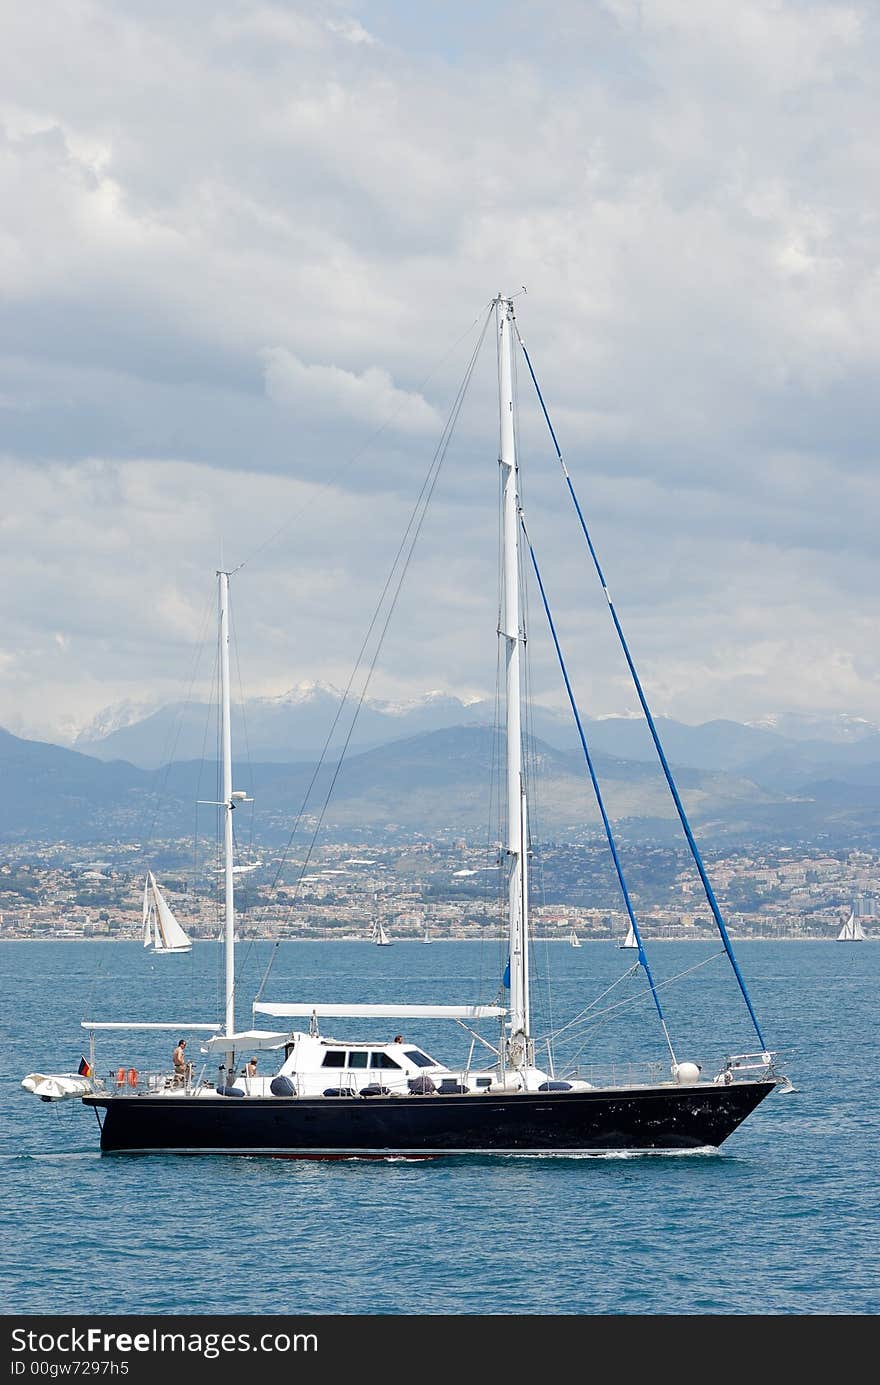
pixel 332 1096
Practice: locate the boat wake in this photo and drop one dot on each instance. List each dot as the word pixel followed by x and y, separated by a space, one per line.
pixel 68 1157
pixel 702 1152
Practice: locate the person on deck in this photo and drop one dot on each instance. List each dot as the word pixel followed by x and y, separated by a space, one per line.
pixel 182 1069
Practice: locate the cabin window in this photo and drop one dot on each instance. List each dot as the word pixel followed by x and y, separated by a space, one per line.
pixel 334 1058
pixel 382 1060
pixel 358 1059
pixel 484 1082
pixel 420 1059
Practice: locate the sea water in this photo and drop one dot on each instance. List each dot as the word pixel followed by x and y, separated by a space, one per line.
pixel 782 1220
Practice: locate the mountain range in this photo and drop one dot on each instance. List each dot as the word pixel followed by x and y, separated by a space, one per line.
pixel 296 725
pixel 740 783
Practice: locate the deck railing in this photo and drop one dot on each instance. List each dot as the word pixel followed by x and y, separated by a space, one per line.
pixel 147 1082
pixel 619 1074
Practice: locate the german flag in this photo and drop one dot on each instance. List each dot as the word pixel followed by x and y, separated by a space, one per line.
pixel 85 1068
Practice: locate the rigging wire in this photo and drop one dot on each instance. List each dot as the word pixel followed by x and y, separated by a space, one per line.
pixel 683 818
pixel 586 1016
pixel 643 960
pixel 280 530
pixel 402 561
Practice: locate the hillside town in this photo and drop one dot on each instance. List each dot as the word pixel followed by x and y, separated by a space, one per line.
pixel 433 890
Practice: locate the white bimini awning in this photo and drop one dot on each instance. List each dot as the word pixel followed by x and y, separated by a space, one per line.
pixel 246 1038
pixel 382 1012
pixel 173 1025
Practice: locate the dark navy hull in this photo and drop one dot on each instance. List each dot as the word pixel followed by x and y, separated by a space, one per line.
pixel 636 1118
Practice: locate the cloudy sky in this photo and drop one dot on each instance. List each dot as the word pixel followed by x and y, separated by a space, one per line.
pixel 245 250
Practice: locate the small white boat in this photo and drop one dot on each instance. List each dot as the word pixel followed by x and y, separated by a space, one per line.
pixel 58 1086
pixel 573 939
pixel 630 939
pixel 379 936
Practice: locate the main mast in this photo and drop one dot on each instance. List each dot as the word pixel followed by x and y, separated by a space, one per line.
pixel 518 1048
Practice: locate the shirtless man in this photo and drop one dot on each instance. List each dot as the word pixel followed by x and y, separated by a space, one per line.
pixel 182 1069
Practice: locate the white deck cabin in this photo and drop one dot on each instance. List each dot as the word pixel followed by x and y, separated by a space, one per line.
pixel 318 1065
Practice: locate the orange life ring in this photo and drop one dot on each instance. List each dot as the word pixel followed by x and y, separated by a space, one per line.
pixel 132 1077
pixel 120 1077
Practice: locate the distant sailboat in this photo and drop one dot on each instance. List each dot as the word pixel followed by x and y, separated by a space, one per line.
pixel 379 936
pixel 574 940
pixel 852 931
pixel 427 938
pixel 630 939
pixel 162 932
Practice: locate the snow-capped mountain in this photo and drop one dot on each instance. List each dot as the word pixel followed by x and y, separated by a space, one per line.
pixel 114 718
pixel 840 727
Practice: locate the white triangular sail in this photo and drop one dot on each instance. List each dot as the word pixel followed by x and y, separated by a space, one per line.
pixel 379 936
pixel 852 931
pixel 167 934
pixel 630 939
pixel 573 939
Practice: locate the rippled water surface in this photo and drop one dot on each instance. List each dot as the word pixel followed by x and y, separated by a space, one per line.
pixel 782 1220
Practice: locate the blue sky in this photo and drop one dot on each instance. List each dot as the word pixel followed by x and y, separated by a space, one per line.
pixel 242 252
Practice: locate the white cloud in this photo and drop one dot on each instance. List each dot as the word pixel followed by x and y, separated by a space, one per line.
pixel 351 30
pixel 325 390
pixel 242 249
